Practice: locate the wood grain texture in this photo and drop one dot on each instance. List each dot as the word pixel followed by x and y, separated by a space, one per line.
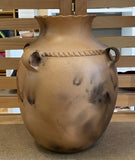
pixel 114 22
pixel 80 7
pixel 11 119
pixel 117 41
pixel 18 23
pixel 123 117
pixel 8 83
pixel 14 43
pixel 65 7
pixel 99 22
pixel 126 99
pixel 29 4
pixel 126 61
pixel 127 80
pixel 9 101
pixel 3 74
pixel 110 3
pixel 9 63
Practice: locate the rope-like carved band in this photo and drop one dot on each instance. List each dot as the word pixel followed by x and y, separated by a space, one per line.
pixel 74 53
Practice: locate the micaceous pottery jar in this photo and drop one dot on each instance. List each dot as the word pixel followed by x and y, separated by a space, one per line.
pixel 67 84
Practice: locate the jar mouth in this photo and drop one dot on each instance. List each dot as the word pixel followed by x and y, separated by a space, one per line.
pixel 69 25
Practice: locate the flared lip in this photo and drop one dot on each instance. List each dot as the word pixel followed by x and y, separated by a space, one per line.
pixel 66 16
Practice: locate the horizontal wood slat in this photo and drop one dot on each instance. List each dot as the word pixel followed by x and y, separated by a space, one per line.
pixel 7 82
pixel 9 101
pixel 11 119
pixel 9 63
pixel 123 117
pixel 18 23
pixel 99 22
pixel 114 22
pixel 14 43
pixel 30 4
pixel 110 3
pixel 126 61
pixel 117 41
pixel 126 99
pixel 127 80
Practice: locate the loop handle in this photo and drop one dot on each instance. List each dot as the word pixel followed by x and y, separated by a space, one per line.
pixel 117 54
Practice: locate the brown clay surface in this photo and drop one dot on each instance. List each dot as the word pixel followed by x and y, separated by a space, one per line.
pixel 67 84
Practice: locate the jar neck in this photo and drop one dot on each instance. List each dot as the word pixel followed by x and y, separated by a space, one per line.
pixel 74 26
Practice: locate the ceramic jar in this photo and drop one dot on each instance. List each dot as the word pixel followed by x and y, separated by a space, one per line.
pixel 67 84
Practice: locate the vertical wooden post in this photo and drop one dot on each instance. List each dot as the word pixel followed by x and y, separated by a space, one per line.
pixel 80 7
pixel 65 7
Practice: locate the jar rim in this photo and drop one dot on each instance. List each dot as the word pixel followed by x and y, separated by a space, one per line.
pixel 67 16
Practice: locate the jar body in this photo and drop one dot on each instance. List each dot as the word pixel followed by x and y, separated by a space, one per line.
pixel 66 98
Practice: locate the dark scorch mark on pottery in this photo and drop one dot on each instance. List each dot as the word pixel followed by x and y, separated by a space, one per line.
pixel 31 100
pixel 97 92
pixel 97 95
pixel 99 100
pixel 77 81
pixel 107 97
